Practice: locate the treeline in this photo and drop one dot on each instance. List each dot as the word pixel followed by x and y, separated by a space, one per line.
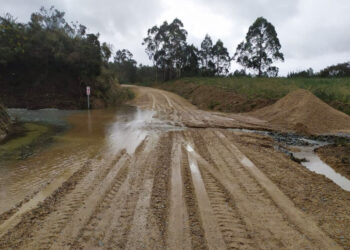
pixel 173 57
pixel 338 70
pixel 49 62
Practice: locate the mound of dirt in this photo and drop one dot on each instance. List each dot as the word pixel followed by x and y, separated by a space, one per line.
pixel 5 123
pixel 303 112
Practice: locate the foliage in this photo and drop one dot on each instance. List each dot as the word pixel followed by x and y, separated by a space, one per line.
pixel 166 45
pixel 48 56
pixel 339 70
pixel 260 48
pixel 304 73
pixel 221 58
pixel 125 66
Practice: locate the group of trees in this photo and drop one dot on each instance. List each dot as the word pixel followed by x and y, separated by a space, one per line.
pixel 170 53
pixel 338 70
pixel 48 54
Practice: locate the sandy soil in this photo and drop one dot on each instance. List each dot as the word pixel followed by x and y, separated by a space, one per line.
pixel 303 112
pixel 203 187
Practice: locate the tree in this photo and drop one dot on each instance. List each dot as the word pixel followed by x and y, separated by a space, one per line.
pixel 152 42
pixel 125 66
pixel 206 55
pixel 190 60
pixel 221 58
pixel 260 49
pixel 106 50
pixel 165 46
pixel 339 70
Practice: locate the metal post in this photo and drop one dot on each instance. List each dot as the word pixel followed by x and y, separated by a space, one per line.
pixel 88 96
pixel 88 99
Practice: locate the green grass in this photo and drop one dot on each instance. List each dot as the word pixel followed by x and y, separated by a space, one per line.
pixel 334 91
pixel 19 146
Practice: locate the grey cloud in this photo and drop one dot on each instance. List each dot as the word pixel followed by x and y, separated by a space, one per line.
pixel 312 33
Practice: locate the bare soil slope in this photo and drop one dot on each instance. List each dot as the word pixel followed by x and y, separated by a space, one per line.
pixel 300 110
pixel 216 98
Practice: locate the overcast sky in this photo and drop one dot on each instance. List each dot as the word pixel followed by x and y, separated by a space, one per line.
pixel 313 33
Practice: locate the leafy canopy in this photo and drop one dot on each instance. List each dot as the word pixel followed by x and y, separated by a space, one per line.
pixel 260 48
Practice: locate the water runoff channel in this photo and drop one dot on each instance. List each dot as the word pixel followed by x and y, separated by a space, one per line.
pixel 305 152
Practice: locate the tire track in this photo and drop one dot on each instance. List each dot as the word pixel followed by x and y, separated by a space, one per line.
pixel 99 199
pixel 231 224
pixel 303 224
pixel 62 215
pixel 178 235
pixel 273 227
pixel 140 170
pixel 99 223
pixel 161 186
pixel 198 240
pixel 34 219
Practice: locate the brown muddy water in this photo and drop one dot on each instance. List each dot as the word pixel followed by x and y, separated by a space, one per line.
pixel 97 134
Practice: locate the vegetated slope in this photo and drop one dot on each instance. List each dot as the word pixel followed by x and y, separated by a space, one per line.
pixel 5 122
pixel 300 110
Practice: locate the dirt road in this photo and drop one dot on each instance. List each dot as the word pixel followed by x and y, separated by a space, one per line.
pixel 189 184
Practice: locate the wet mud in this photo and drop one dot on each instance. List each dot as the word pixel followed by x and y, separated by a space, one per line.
pixel 165 175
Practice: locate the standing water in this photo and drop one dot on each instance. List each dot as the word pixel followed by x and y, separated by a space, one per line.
pixel 92 136
pixel 315 164
pixel 306 150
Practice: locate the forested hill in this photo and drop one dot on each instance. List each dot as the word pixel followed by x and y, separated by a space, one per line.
pixel 48 62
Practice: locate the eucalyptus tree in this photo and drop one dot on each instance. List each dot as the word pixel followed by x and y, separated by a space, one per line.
pixel 221 58
pixel 152 42
pixel 106 50
pixel 190 60
pixel 206 55
pixel 260 48
pixel 125 66
pixel 165 45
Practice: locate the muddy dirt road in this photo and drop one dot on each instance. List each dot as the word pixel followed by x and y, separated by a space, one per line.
pixel 174 178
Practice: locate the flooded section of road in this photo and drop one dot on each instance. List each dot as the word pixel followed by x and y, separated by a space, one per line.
pixel 50 116
pixel 131 128
pixel 91 134
pixel 20 179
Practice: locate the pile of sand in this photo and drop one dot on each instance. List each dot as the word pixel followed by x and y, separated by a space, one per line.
pixel 303 112
pixel 5 122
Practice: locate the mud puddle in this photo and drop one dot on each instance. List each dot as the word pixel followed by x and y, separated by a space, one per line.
pixel 305 152
pixel 87 134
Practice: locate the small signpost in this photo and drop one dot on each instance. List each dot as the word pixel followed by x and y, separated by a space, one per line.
pixel 88 96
